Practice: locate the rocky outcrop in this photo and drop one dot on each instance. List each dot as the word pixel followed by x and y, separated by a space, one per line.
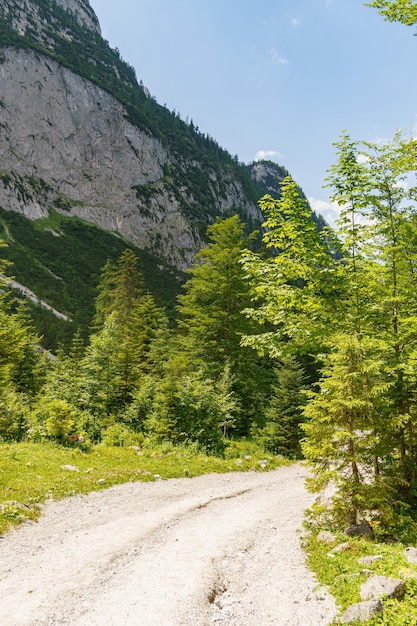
pixel 28 14
pixel 66 144
pixel 74 142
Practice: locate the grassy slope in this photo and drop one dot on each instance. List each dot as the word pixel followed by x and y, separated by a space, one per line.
pixel 64 270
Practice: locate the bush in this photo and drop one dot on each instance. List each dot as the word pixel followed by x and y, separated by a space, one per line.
pixel 53 419
pixel 13 410
pixel 120 436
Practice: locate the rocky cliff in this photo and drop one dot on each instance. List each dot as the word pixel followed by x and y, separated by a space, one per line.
pixel 80 136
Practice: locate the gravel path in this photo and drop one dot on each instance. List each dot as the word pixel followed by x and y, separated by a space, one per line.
pixel 217 549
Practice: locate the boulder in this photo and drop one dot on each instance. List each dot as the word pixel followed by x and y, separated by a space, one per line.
pixel 411 554
pixel 326 536
pixel 368 560
pixel 70 468
pixel 364 529
pixel 362 611
pixel 341 547
pixel 377 586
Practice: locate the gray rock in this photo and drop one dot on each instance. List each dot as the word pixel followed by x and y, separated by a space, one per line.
pixel 411 554
pixel 364 529
pixel 326 536
pixel 80 9
pixel 368 560
pixel 342 547
pixel 362 611
pixel 377 586
pixel 70 468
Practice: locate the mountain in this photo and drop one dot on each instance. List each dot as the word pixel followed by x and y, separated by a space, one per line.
pixel 81 136
pixel 88 155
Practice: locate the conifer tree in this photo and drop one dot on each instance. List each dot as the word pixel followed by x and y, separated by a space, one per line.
pixel 359 310
pixel 380 266
pixel 295 288
pixel 282 432
pixel 343 420
pixel 211 321
pixel 118 353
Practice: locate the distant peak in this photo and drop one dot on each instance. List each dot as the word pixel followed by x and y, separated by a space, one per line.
pixel 83 12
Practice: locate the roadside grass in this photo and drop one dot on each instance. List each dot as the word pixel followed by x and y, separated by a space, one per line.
pixel 31 473
pixel 343 576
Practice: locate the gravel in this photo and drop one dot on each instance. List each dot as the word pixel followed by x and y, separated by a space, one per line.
pixel 217 549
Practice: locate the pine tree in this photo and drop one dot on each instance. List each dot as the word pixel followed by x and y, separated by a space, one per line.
pixel 356 309
pixel 371 180
pixel 118 353
pixel 120 286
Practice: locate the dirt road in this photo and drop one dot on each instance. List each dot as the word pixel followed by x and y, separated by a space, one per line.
pixel 217 549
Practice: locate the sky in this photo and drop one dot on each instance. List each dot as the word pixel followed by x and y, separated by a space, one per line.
pixel 278 79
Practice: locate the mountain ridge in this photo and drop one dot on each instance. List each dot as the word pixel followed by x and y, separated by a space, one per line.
pixel 87 143
pixel 81 139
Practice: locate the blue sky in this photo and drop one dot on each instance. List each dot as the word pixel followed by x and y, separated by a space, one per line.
pixel 280 78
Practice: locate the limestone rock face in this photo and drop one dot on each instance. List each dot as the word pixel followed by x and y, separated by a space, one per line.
pixel 27 13
pixel 66 143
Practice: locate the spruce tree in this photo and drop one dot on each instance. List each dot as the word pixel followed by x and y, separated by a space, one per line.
pixel 211 321
pixel 282 432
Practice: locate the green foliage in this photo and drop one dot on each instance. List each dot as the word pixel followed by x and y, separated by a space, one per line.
pixel 211 321
pixel 186 407
pixel 60 420
pixel 371 181
pixel 284 416
pixel 120 436
pixel 356 311
pixel 343 575
pixel 404 11
pixel 53 418
pixel 296 286
pixel 344 417
pixel 120 287
pixel 14 409
pixel 64 271
pixel 119 351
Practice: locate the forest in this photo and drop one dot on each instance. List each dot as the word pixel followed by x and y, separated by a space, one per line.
pixel 305 345
pixel 295 340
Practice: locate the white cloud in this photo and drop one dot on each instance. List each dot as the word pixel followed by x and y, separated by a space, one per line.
pixel 329 210
pixel 268 155
pixel 280 60
pixel 295 21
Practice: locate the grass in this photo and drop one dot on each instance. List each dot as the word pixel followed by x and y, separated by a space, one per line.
pixel 343 575
pixel 31 473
